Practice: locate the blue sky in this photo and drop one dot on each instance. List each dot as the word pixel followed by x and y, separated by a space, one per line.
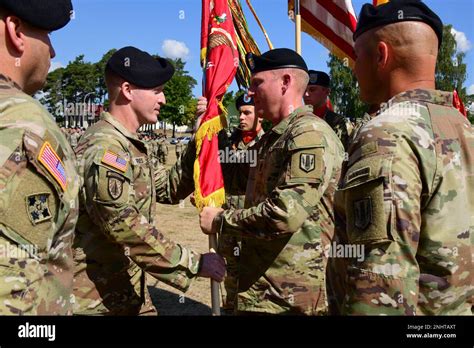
pixel 171 28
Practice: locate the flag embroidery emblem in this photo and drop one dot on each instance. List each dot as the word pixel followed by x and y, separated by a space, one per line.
pixel 53 164
pixel 115 161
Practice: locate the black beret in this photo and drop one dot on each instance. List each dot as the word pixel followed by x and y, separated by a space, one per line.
pixel 278 58
pixel 140 68
pixel 45 14
pixel 318 78
pixel 397 11
pixel 242 100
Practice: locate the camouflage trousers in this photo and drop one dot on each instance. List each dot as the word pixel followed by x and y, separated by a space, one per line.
pixel 229 248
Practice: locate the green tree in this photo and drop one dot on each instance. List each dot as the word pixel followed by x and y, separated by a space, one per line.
pixel 344 90
pixel 101 88
pixel 52 96
pixel 180 109
pixel 68 91
pixel 450 68
pixel 232 113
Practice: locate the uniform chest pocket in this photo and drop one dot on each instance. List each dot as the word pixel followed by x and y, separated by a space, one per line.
pixel 367 197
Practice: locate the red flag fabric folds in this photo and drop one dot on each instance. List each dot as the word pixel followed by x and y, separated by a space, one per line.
pixel 219 59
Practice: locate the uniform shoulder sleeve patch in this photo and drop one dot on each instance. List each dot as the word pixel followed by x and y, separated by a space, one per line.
pixel 114 160
pixel 307 166
pixel 53 164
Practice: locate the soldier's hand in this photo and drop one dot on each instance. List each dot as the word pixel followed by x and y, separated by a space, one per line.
pixel 192 199
pixel 206 217
pixel 201 106
pixel 212 266
pixel 200 110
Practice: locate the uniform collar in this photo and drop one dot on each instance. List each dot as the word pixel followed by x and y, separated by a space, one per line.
pixel 5 79
pixel 283 125
pixel 421 95
pixel 107 117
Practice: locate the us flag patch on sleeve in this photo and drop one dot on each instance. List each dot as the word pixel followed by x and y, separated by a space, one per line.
pixel 114 160
pixel 53 164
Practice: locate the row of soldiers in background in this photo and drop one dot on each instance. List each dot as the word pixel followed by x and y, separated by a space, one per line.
pixel 158 146
pixel 73 135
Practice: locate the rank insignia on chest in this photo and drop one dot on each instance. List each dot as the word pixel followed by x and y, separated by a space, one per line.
pixel 307 162
pixel 53 164
pixel 363 213
pixel 38 208
pixel 114 160
pixel 114 185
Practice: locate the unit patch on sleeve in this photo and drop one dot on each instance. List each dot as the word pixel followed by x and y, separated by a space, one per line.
pixel 38 208
pixel 307 162
pixel 114 185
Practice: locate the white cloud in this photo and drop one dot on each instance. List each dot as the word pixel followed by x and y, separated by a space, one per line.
pixel 463 44
pixel 175 49
pixel 55 65
pixel 470 90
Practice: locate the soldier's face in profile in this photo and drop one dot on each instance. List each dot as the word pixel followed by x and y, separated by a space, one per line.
pixel 316 95
pixel 147 104
pixel 265 88
pixel 37 57
pixel 248 121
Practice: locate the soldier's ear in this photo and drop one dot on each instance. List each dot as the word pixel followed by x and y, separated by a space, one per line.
pixel 286 79
pixel 382 55
pixel 126 90
pixel 13 32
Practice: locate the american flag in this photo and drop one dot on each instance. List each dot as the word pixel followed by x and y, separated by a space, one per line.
pixel 115 161
pixel 53 164
pixel 332 23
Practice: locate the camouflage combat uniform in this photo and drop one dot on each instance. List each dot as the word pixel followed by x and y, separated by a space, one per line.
pixel 235 183
pixel 288 220
pixel 359 123
pixel 74 139
pixel 162 151
pixel 116 239
pixel 153 150
pixel 338 125
pixel 407 196
pixel 38 208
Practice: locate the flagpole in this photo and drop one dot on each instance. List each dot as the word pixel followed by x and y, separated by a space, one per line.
pixel 297 27
pixel 215 299
pixel 270 45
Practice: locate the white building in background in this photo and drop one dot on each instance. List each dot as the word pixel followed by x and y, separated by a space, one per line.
pixel 470 107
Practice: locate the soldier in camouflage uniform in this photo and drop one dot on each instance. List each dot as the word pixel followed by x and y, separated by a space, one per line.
pixel 316 95
pixel 287 222
pixel 38 180
pixel 235 175
pixel 407 193
pixel 116 239
pixel 162 150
